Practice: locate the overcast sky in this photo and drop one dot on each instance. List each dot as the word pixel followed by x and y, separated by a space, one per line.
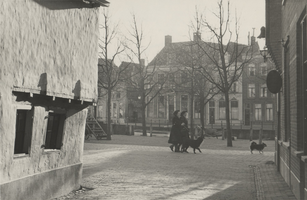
pixel 174 17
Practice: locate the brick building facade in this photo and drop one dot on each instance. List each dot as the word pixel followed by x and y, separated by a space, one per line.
pixel 259 104
pixel 286 39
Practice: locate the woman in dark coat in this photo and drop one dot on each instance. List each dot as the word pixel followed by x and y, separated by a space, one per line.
pixel 184 130
pixel 175 130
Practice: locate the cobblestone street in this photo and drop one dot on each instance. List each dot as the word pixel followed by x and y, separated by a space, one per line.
pixel 137 167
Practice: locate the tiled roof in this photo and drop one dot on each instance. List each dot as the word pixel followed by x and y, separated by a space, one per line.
pixel 175 48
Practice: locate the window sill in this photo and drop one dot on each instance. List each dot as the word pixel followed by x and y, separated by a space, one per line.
pixel 286 144
pixel 298 154
pixel 48 151
pixel 304 159
pixel 21 155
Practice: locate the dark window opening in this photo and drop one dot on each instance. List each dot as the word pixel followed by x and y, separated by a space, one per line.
pixel 54 133
pixel 211 104
pixel 160 78
pixel 23 131
pixel 118 95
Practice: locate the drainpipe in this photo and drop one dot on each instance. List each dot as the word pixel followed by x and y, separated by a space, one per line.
pixel 278 133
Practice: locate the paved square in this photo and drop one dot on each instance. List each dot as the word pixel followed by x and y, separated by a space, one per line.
pixel 138 167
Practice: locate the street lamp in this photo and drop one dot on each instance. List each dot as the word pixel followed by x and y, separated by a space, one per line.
pixel 264 53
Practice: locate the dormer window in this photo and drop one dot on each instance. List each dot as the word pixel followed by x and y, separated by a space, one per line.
pixel 251 69
pixel 263 69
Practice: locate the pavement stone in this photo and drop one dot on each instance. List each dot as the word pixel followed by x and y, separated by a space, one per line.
pixel 139 167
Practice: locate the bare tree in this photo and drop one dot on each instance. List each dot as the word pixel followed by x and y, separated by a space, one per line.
pixel 109 75
pixel 143 78
pixel 204 90
pixel 226 59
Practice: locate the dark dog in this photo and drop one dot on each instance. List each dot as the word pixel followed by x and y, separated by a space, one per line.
pixel 259 147
pixel 192 143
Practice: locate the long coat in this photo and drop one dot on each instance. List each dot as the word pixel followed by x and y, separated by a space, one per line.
pixel 184 128
pixel 175 131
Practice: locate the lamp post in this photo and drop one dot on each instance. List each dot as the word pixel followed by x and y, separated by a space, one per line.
pixel 264 53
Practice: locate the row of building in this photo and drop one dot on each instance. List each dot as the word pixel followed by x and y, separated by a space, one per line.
pixel 250 100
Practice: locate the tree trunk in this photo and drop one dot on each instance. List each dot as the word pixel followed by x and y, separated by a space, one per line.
pixel 229 137
pixel 202 112
pixel 191 116
pixel 144 121
pixel 109 115
pixel 143 112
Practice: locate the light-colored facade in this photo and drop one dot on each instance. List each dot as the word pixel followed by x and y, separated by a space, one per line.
pixel 48 77
pixel 174 98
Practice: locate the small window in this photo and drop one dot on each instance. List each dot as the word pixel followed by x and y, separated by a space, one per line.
pixel 263 70
pixel 160 78
pixel 263 91
pixel 197 107
pixel 23 131
pixel 184 78
pixel 234 109
pixel 171 81
pixel 118 95
pixel 171 57
pixel 114 110
pixel 211 104
pixel 258 115
pixel 55 128
pixel 161 107
pixel 252 70
pixel 269 112
pixel 234 87
pixel 184 102
pixel 251 90
pixel 222 109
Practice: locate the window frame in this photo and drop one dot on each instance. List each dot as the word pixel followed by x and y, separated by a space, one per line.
pixel 61 125
pixel 161 106
pixel 261 69
pixel 263 91
pixel 251 68
pixel 258 112
pixel 237 109
pixel 222 104
pixel 269 115
pixel 28 130
pixel 251 90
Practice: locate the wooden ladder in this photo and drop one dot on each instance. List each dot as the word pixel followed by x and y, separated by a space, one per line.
pixel 93 128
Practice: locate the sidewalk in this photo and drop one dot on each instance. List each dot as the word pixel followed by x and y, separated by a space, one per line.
pixel 138 167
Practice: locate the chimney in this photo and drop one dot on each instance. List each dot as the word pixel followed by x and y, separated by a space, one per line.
pixel 168 40
pixel 197 36
pixel 142 62
pixel 248 39
pixel 253 40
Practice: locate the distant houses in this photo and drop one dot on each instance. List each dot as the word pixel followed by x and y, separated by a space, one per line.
pixel 250 101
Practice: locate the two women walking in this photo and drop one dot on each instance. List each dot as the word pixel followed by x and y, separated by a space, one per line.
pixel 179 132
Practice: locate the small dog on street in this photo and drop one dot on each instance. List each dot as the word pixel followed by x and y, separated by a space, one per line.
pixel 255 146
pixel 193 143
